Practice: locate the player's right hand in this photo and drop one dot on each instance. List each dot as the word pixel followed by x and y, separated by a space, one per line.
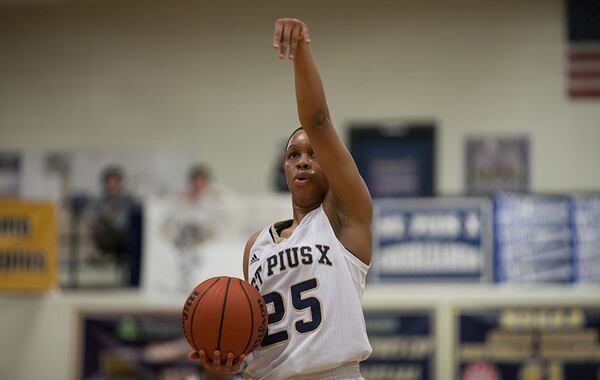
pixel 289 32
pixel 230 365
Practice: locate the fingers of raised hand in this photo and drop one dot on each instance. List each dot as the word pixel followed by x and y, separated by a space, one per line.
pixel 286 41
pixel 296 32
pixel 194 355
pixel 278 34
pixel 287 34
pixel 305 34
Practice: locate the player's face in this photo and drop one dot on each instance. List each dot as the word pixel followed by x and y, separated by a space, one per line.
pixel 305 178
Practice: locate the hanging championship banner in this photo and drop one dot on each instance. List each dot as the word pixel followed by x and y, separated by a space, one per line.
pixel 28 245
pixel 531 343
pixel 442 239
pixel 403 344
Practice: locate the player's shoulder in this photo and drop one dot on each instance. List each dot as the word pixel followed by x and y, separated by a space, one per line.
pixel 252 240
pixel 247 248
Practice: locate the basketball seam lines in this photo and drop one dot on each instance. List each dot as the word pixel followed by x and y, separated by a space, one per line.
pixel 251 318
pixel 223 315
pixel 194 312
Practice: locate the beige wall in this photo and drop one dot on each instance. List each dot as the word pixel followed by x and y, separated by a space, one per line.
pixel 202 74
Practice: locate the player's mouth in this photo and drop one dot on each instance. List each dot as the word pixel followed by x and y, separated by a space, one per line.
pixel 303 178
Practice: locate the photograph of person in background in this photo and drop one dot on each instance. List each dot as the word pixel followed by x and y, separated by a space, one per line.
pixel 189 235
pixel 199 183
pixel 116 224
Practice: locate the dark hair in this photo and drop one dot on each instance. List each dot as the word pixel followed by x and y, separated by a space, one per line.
pixel 292 135
pixel 199 170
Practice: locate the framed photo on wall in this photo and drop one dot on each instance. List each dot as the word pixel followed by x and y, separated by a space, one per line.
pixel 395 159
pixel 495 164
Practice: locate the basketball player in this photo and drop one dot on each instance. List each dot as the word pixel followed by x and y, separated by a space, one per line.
pixel 311 269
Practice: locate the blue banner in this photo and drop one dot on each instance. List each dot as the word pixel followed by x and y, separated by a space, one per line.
pixel 441 239
pixel 558 343
pixel 586 225
pixel 533 239
pixel 403 345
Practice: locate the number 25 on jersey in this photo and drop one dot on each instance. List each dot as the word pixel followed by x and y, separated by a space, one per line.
pixel 301 302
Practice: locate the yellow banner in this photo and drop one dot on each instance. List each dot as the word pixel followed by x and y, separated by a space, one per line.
pixel 28 245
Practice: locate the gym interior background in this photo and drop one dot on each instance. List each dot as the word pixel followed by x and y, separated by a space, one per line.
pixel 157 86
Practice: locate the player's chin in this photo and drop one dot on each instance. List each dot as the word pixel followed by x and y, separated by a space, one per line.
pixel 307 198
pixel 305 189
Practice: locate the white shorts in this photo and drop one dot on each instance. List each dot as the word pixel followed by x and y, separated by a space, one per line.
pixel 350 371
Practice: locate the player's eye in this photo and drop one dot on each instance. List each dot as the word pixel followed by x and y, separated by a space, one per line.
pixel 293 155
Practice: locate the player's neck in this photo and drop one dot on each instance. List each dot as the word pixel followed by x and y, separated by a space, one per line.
pixel 300 212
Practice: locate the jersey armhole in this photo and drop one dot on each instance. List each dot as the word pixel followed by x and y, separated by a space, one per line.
pixel 249 263
pixel 364 268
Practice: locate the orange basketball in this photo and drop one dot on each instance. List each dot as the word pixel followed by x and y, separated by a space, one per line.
pixel 225 314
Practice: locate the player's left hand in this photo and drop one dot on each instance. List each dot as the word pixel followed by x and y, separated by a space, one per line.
pixel 230 365
pixel 288 33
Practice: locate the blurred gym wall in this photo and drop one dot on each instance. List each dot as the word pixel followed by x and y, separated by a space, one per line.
pixel 203 75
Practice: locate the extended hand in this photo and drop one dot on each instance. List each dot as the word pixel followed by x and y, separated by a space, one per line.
pixel 230 366
pixel 288 32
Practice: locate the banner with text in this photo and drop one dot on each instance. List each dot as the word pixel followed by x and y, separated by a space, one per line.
pixel 533 239
pixel 530 343
pixel 28 245
pixel 403 345
pixel 585 216
pixel 434 239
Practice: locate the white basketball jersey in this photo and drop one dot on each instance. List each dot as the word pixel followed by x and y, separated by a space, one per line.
pixel 313 288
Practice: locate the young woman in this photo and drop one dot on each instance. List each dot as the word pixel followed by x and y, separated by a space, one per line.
pixel 311 269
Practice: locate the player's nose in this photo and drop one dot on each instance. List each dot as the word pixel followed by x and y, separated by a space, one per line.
pixel 303 162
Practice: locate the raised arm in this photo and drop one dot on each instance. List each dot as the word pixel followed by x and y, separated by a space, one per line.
pixel 348 204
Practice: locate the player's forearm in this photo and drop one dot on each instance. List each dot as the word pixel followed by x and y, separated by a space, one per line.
pixel 310 96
